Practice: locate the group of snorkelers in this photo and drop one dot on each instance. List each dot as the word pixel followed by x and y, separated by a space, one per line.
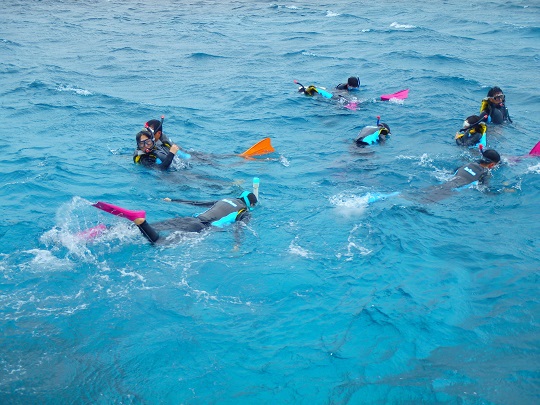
pixel 493 110
pixel 155 149
pixel 473 134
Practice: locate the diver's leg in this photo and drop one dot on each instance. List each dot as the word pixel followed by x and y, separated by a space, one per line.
pixel 147 231
pixel 186 224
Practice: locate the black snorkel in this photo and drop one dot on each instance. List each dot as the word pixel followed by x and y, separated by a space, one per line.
pixel 471 126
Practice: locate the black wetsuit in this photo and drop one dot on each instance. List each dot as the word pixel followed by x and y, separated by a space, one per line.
pixel 342 86
pixel 222 213
pixel 466 175
pixel 471 137
pixel 498 113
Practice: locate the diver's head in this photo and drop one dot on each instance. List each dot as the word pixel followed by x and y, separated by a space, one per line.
pixel 493 91
pixel 145 140
pixel 311 90
pixel 496 95
pixel 473 122
pixel 249 198
pixel 490 158
pixel 353 82
pixel 155 126
pixel 384 129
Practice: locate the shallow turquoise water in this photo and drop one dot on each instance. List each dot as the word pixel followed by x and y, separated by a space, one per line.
pixel 327 300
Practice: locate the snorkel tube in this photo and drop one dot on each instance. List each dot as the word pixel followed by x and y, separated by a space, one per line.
pixel 301 88
pixel 482 119
pixel 256 182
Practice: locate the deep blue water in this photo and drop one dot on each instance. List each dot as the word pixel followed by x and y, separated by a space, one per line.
pixel 326 299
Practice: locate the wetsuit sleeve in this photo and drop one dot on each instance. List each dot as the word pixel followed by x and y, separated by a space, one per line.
pixel 167 161
pixel 485 109
pixel 484 178
pixel 238 232
pixel 507 114
pixel 469 139
pixel 148 232
pixel 243 216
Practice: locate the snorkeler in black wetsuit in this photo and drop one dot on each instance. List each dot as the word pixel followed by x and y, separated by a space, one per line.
pixel 151 153
pixel 465 176
pixel 154 148
pixel 473 132
pixel 223 212
pixel 494 107
pixel 373 135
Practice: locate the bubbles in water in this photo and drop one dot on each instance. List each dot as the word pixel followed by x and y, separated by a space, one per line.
pixel 350 204
pixel 296 249
pixel 534 169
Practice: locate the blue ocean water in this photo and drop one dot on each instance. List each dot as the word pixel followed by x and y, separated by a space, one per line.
pixel 325 299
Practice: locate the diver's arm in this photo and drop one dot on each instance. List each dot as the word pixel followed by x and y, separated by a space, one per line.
pixel 191 202
pixel 485 109
pixel 238 228
pixel 508 115
pixel 164 165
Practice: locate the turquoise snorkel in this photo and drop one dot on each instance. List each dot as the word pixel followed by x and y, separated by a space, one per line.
pixel 256 182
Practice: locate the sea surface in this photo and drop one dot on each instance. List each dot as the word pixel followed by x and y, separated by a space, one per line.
pixel 322 298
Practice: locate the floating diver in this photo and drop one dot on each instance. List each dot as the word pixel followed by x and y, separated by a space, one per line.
pixel 372 135
pixel 155 149
pixel 219 214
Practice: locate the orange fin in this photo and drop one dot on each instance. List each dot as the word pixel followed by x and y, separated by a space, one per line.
pixel 260 148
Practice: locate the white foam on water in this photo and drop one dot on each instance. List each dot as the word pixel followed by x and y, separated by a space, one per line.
pixel 80 92
pixel 401 26
pixel 350 205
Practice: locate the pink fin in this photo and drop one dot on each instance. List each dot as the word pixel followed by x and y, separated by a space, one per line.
pixel 400 95
pixel 92 233
pixel 536 150
pixel 351 106
pixel 119 211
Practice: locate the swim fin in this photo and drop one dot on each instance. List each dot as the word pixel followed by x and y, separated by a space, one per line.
pixel 535 151
pixel 92 233
pixel 119 211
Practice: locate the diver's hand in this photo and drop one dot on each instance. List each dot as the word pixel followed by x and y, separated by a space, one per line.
pixel 174 149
